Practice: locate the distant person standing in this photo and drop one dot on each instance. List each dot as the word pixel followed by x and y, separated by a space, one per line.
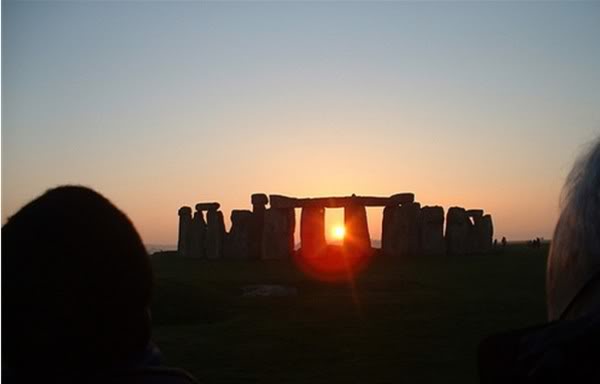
pixel 76 288
pixel 567 349
pixel 503 242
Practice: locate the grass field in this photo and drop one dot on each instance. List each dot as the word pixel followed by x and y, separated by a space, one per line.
pixel 412 321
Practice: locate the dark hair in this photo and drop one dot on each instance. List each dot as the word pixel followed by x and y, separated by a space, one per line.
pixel 76 284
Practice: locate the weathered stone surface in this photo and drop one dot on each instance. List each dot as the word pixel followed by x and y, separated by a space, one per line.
pixel 207 206
pixel 357 241
pixel 312 231
pixel 401 230
pixel 432 231
pixel 237 241
pixel 215 233
pixel 185 224
pixel 278 201
pixel 278 233
pixel 198 236
pixel 458 231
pixel 259 199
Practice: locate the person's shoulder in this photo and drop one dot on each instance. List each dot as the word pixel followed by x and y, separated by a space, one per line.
pixel 142 375
pixel 557 352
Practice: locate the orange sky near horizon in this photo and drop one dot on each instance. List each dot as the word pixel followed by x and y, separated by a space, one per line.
pixel 523 204
pixel 521 207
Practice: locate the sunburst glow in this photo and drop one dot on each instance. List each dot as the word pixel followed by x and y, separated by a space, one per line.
pixel 338 232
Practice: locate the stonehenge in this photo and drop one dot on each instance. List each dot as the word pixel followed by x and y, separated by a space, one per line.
pixel 432 231
pixel 481 234
pixel 278 233
pixel 401 230
pixel 185 227
pixel 215 233
pixel 458 228
pixel 356 240
pixel 266 232
pixel 199 238
pixel 468 231
pixel 259 202
pixel 312 231
pixel 238 244
pixel 198 234
pixel 278 201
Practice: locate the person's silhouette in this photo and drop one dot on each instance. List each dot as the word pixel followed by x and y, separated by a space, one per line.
pixel 566 349
pixel 76 289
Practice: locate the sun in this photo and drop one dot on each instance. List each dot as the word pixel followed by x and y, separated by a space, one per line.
pixel 338 232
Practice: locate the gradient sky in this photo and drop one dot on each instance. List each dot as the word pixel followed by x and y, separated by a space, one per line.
pixel 159 105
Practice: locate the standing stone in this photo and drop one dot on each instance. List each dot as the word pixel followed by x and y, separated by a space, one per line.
pixel 487 233
pixel 259 201
pixel 480 235
pixel 237 241
pixel 388 230
pixel 278 233
pixel 185 224
pixel 312 231
pixel 357 241
pixel 458 230
pixel 198 236
pixel 473 238
pixel 432 231
pixel 482 231
pixel 215 233
pixel 401 230
pixel 292 230
pixel 407 220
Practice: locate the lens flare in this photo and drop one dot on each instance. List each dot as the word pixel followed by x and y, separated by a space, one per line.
pixel 333 262
pixel 338 232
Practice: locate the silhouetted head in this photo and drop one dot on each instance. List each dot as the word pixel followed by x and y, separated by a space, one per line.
pixel 573 273
pixel 76 285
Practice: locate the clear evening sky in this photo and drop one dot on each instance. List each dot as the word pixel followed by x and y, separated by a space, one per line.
pixel 159 105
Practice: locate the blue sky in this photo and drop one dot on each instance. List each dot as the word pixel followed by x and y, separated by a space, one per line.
pixel 163 104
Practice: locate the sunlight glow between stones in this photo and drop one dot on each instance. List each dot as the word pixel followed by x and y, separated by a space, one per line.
pixel 338 232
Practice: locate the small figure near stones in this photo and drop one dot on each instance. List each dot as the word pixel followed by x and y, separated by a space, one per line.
pixel 535 243
pixel 77 284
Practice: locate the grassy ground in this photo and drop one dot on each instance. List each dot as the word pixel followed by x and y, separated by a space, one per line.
pixel 414 321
